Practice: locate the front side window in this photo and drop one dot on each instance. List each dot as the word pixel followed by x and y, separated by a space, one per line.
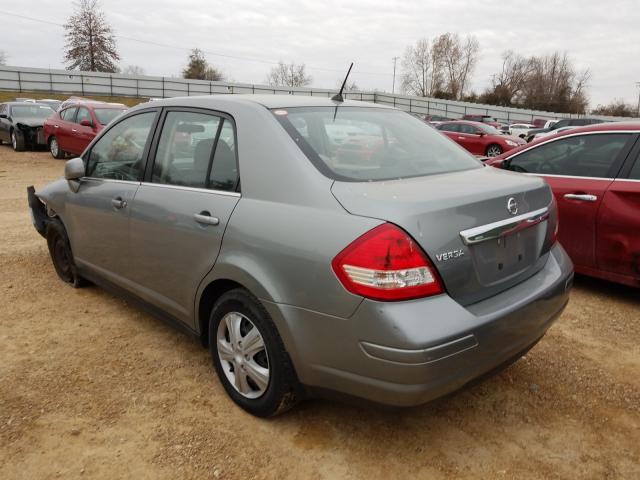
pixel 635 171
pixel 468 129
pixel 119 153
pixel 579 156
pixel 196 150
pixel 83 114
pixel 365 144
pixel 68 114
pixel 450 127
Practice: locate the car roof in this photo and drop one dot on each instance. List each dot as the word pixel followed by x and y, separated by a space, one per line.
pixel 466 122
pixel 268 101
pixel 22 104
pixel 598 127
pixel 96 104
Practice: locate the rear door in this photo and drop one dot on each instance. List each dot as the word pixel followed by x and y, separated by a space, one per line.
pixel 618 240
pixel 579 169
pixel 97 215
pixel 471 139
pixel 182 208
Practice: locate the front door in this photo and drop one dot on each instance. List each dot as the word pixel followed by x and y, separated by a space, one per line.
pixel 579 169
pixel 97 215
pixel 81 134
pixel 181 210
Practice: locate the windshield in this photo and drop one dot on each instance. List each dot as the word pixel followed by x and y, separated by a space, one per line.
pixel 105 115
pixel 488 129
pixel 31 111
pixel 364 144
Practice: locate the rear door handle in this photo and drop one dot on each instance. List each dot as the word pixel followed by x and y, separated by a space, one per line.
pixel 118 203
pixel 205 218
pixel 56 126
pixel 583 197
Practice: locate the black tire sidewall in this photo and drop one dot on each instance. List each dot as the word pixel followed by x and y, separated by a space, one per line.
pixel 56 233
pixel 282 392
pixel 60 152
pixel 493 145
pixel 19 145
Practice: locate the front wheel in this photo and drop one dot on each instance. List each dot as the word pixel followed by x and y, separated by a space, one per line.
pixel 61 255
pixel 249 356
pixel 54 148
pixel 17 141
pixel 494 150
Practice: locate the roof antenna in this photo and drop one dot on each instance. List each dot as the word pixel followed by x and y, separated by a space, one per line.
pixel 338 96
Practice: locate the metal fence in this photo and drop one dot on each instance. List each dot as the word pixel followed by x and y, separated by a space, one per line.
pixel 23 79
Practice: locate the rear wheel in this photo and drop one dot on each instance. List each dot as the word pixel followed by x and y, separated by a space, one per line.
pixel 249 356
pixel 494 150
pixel 17 141
pixel 54 148
pixel 61 255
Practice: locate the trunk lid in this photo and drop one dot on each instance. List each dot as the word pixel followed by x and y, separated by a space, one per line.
pixel 497 248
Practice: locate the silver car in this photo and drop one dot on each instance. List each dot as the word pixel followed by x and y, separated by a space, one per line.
pixel 314 245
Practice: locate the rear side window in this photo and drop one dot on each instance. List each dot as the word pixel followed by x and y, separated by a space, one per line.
pixel 365 143
pixel 196 150
pixel 119 153
pixel 579 156
pixel 468 129
pixel 450 127
pixel 68 114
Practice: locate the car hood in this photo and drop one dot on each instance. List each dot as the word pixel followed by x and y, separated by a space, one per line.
pixel 29 122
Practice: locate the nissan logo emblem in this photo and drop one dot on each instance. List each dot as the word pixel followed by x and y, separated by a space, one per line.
pixel 512 206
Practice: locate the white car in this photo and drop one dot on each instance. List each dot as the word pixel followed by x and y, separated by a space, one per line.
pixel 553 132
pixel 520 129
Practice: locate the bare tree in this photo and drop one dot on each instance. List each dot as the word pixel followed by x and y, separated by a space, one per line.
pixel 617 108
pixel 90 41
pixel 3 58
pixel 288 75
pixel 198 68
pixel 133 70
pixel 508 84
pixel 421 70
pixel 458 59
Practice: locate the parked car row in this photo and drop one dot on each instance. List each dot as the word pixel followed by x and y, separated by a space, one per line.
pixel 64 127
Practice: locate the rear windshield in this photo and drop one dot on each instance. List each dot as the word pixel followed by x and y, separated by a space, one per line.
pixel 105 115
pixel 488 129
pixel 364 144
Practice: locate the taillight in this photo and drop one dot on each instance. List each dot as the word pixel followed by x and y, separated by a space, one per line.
pixel 386 264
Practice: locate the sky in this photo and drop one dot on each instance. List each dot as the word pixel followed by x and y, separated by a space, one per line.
pixel 245 38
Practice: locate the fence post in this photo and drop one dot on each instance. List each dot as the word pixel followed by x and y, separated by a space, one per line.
pixel 163 96
pixel 188 88
pixel 82 84
pixel 410 107
pixel 137 88
pixel 19 82
pixel 50 81
pixel 111 85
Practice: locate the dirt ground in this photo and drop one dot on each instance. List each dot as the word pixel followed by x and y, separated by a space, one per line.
pixel 92 387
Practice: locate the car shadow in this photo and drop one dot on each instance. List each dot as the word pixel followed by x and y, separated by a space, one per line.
pixel 616 291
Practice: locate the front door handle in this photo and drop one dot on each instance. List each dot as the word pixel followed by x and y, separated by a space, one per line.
pixel 205 218
pixel 583 197
pixel 118 203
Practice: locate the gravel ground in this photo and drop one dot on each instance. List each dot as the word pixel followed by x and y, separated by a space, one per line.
pixel 92 387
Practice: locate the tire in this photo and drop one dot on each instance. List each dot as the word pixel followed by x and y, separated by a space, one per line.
pixel 17 141
pixel 54 148
pixel 239 311
pixel 61 255
pixel 494 150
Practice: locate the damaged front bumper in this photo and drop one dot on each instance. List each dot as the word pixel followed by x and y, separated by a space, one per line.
pixel 38 211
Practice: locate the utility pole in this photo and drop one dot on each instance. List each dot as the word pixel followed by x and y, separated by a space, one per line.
pixel 393 87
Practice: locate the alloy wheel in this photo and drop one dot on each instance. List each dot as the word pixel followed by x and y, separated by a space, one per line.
pixel 243 355
pixel 54 147
pixel 494 151
pixel 14 140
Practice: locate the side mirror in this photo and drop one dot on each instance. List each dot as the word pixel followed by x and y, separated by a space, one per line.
pixel 86 123
pixel 73 171
pixel 482 134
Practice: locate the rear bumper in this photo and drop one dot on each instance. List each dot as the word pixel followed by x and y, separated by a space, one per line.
pixel 407 353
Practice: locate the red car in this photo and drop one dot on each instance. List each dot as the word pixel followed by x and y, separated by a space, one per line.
pixel 73 127
pixel 486 119
pixel 479 138
pixel 594 173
